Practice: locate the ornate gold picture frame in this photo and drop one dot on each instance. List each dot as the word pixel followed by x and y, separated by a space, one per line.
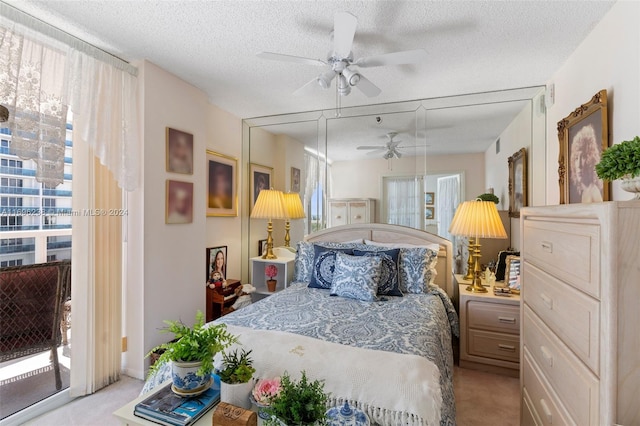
pixel 583 136
pixel 517 182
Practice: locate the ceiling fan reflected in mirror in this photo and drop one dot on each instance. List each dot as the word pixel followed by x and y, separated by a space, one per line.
pixel 343 66
pixel 392 149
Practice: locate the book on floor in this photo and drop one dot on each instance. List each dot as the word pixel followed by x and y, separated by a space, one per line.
pixel 167 408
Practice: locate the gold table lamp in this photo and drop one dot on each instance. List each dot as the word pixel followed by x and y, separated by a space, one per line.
pixel 293 206
pixel 477 219
pixel 269 205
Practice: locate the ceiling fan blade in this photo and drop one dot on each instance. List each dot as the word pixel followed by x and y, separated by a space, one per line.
pixel 290 58
pixel 396 58
pixel 378 147
pixel 367 87
pixel 344 28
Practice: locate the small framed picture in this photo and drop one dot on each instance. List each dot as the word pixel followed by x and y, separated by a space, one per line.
pixel 262 245
pixel 429 198
pixel 179 151
pixel 261 178
pixel 517 182
pixel 216 264
pixel 512 273
pixel 583 136
pixel 429 213
pixel 179 202
pixel 222 185
pixel 295 179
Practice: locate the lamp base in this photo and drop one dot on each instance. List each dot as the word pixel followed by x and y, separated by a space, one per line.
pixel 268 254
pixel 470 264
pixel 287 237
pixel 476 286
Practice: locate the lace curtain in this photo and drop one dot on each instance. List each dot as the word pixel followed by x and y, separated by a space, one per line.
pixel 404 201
pixel 41 78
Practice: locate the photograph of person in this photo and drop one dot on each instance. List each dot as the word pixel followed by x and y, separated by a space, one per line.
pixel 216 266
pixel 179 151
pixel 261 181
pixel 585 149
pixel 179 202
pixel 220 185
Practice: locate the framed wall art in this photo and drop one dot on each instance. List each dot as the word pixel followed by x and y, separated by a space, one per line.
pixel 512 273
pixel 429 213
pixel 179 151
pixel 295 179
pixel 262 244
pixel 583 136
pixel 517 182
pixel 429 198
pixel 179 202
pixel 260 178
pixel 222 185
pixel 216 264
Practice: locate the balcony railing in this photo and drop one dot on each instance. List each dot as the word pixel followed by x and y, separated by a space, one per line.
pixel 41 244
pixel 19 171
pixel 21 191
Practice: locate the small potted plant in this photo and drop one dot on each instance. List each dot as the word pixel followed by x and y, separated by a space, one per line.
pixel 235 377
pixel 191 353
pixel 300 402
pixel 622 161
pixel 262 394
pixel 271 271
pixel 487 196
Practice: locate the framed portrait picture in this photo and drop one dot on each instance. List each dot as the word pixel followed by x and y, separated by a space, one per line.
pixel 429 198
pixel 429 213
pixel 262 244
pixel 517 182
pixel 216 264
pixel 179 202
pixel 260 177
pixel 583 136
pixel 179 151
pixel 222 185
pixel 295 179
pixel 512 273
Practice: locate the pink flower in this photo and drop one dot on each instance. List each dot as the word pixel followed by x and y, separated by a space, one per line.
pixel 271 271
pixel 265 390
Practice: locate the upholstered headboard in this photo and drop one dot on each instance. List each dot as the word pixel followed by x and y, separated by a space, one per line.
pixel 384 233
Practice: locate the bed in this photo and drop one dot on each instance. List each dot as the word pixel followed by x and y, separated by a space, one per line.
pixel 391 357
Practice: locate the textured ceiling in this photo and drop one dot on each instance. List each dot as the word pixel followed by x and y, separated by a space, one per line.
pixel 472 46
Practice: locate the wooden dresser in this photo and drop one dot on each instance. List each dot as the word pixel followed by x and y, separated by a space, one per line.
pixel 580 351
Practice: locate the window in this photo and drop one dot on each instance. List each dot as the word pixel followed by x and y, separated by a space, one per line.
pixel 11 163
pixel 51 257
pixel 403 201
pixel 14 262
pixel 11 222
pixel 11 202
pixel 11 182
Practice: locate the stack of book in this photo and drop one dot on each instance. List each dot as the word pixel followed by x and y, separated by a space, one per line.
pixel 168 408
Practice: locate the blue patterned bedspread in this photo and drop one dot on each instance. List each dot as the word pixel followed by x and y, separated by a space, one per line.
pixel 418 324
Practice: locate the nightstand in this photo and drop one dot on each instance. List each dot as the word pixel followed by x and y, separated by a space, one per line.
pixel 284 263
pixel 489 331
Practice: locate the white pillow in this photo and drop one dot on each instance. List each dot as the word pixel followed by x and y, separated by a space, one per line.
pixel 433 246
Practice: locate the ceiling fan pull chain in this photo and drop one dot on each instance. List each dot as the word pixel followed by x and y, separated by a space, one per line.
pixel 338 102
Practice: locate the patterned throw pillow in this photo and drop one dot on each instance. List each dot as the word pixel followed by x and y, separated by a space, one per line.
pixel 305 255
pixel 356 277
pixel 389 284
pixel 417 269
pixel 324 264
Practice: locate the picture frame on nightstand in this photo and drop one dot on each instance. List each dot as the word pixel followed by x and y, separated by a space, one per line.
pixel 512 273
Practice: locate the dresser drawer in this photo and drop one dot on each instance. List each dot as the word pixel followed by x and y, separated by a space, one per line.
pixel 529 415
pixel 494 345
pixel 358 212
pixel 570 314
pixel 574 383
pixel 548 408
pixel 493 317
pixel 568 251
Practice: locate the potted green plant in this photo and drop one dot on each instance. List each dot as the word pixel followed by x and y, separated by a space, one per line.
pixel 487 196
pixel 235 377
pixel 191 353
pixel 622 161
pixel 301 402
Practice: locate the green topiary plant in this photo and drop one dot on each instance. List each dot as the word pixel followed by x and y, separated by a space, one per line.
pixel 489 197
pixel 197 343
pixel 620 160
pixel 238 367
pixel 298 403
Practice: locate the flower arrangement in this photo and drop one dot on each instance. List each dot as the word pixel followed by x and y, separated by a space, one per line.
pixel 300 402
pixel 271 271
pixel 237 367
pixel 265 390
pixel 620 160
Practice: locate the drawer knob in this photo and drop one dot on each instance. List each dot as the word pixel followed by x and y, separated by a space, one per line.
pixel 547 355
pixel 508 348
pixel 357 217
pixel 546 410
pixel 547 246
pixel 507 320
pixel 548 302
pixel 338 217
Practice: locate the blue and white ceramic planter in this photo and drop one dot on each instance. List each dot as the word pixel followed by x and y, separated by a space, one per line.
pixel 185 377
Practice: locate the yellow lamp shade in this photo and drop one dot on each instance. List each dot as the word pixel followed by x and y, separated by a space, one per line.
pixel 478 219
pixel 269 205
pixel 293 205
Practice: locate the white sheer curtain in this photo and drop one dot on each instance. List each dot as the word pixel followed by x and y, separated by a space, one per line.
pixel 316 173
pixel 449 199
pixel 403 197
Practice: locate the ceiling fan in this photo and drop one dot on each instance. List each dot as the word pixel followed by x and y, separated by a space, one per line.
pixel 391 149
pixel 341 60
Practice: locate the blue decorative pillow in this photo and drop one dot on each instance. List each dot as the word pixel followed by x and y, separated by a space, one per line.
pixel 389 284
pixel 305 256
pixel 323 265
pixel 356 277
pixel 417 267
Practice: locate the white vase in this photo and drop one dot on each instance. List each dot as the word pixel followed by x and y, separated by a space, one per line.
pixel 236 394
pixel 631 184
pixel 185 377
